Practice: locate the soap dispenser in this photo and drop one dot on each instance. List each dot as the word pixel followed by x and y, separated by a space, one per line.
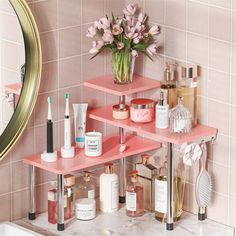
pixel 147 174
pixel 168 87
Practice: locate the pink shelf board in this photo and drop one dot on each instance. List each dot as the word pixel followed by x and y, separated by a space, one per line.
pixel 134 144
pixel 104 114
pixel 13 88
pixel 106 84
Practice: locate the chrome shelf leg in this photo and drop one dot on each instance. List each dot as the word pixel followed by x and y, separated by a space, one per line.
pixel 60 203
pixel 32 214
pixel 170 180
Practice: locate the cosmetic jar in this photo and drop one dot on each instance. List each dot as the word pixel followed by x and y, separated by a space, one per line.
pixel 142 110
pixel 120 112
pixel 93 144
pixel 85 209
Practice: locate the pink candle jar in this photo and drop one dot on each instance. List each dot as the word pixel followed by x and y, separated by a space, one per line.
pixel 142 110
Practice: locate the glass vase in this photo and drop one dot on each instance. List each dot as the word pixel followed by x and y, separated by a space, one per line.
pixel 123 67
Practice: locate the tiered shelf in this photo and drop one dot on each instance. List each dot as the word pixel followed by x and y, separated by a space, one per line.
pixel 139 84
pixel 111 152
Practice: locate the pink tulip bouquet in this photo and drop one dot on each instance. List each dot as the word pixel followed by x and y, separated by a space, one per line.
pixel 125 37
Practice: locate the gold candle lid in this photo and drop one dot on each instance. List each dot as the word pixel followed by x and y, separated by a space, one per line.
pixel 145 158
pixel 134 176
pixel 109 168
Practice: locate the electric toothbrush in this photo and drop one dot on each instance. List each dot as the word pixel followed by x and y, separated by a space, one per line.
pixel 49 155
pixel 67 151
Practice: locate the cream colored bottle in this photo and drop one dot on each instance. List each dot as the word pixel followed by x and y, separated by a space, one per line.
pixel 109 193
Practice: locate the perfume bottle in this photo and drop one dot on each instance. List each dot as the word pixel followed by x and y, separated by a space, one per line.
pixel 187 89
pixel 147 174
pixel 69 196
pixel 161 195
pixel 168 87
pixel 109 193
pixel 134 197
pixel 162 113
pixel 180 118
pixel 52 206
pixel 84 187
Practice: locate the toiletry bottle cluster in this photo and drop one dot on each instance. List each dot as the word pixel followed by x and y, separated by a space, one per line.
pixel 146 190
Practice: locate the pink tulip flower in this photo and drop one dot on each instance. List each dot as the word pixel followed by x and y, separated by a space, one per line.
pixel 152 49
pixel 91 32
pixel 130 10
pixel 154 30
pixel 120 45
pixel 105 23
pixel 96 46
pixel 116 29
pixel 108 36
pixel 142 18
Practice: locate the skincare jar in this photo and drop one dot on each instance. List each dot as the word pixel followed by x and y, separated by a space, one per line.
pixel 93 144
pixel 120 112
pixel 142 110
pixel 85 209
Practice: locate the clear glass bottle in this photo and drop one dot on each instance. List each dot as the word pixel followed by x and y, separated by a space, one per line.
pixel 134 197
pixel 147 174
pixel 187 89
pixel 84 187
pixel 161 195
pixel 69 196
pixel 52 206
pixel 180 118
pixel 168 87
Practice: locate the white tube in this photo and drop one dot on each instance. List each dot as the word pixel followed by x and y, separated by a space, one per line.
pixel 80 112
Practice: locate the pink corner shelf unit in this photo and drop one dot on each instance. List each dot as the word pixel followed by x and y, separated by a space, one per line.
pixel 134 144
pixel 111 152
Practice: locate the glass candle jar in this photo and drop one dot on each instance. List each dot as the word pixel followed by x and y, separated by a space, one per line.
pixel 142 110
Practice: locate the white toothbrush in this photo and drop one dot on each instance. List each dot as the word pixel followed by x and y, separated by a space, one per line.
pixel 203 188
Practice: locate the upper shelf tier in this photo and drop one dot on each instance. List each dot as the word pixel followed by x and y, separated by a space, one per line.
pixel 134 145
pixel 200 132
pixel 106 84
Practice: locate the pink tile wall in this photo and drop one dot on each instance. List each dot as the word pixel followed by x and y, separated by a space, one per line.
pixel 192 31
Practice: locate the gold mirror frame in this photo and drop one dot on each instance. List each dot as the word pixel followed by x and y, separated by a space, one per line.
pixel 33 63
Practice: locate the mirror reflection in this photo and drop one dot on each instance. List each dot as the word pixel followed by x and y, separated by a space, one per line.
pixel 12 62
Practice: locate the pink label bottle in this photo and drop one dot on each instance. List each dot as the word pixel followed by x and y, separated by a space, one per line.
pixel 134 197
pixel 69 196
pixel 52 206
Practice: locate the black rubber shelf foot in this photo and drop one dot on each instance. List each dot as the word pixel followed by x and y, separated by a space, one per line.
pixel 32 216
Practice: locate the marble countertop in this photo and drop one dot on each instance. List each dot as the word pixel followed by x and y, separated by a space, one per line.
pixel 118 224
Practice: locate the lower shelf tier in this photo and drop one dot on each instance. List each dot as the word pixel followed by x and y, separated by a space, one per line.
pixel 119 224
pixel 134 145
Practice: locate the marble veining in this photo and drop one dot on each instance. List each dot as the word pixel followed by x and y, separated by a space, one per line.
pixel 118 224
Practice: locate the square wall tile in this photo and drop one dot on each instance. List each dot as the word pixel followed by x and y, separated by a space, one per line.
pixel 5 176
pixel 221 3
pixel 49 77
pixel 49 44
pixel 20 204
pixel 155 14
pixel 5 203
pixel 232 152
pixel 219 55
pixel 197 49
pixel 218 209
pixel 114 6
pixel 92 10
pixel 220 183
pixel 202 110
pixel 175 45
pixel 232 183
pixel 218 116
pixel 70 72
pixel 233 123
pixel 176 13
pixel 20 175
pixel 233 90
pixel 220 23
pixel 45 14
pixel 70 13
pixel 70 42
pixel 232 212
pixel 197 18
pixel 219 86
pixel 233 60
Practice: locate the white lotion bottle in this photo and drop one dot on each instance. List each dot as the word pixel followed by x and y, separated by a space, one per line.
pixel 162 113
pixel 109 194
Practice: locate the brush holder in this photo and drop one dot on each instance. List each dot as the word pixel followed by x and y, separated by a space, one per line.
pixel 67 152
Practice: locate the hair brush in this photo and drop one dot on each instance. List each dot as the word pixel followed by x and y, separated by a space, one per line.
pixel 203 188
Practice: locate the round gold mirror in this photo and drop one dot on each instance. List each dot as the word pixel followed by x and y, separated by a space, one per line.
pixel 20 70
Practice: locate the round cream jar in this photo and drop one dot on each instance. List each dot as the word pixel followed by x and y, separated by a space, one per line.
pixel 85 209
pixel 120 112
pixel 142 110
pixel 93 144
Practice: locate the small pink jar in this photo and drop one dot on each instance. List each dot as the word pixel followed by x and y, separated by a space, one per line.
pixel 142 110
